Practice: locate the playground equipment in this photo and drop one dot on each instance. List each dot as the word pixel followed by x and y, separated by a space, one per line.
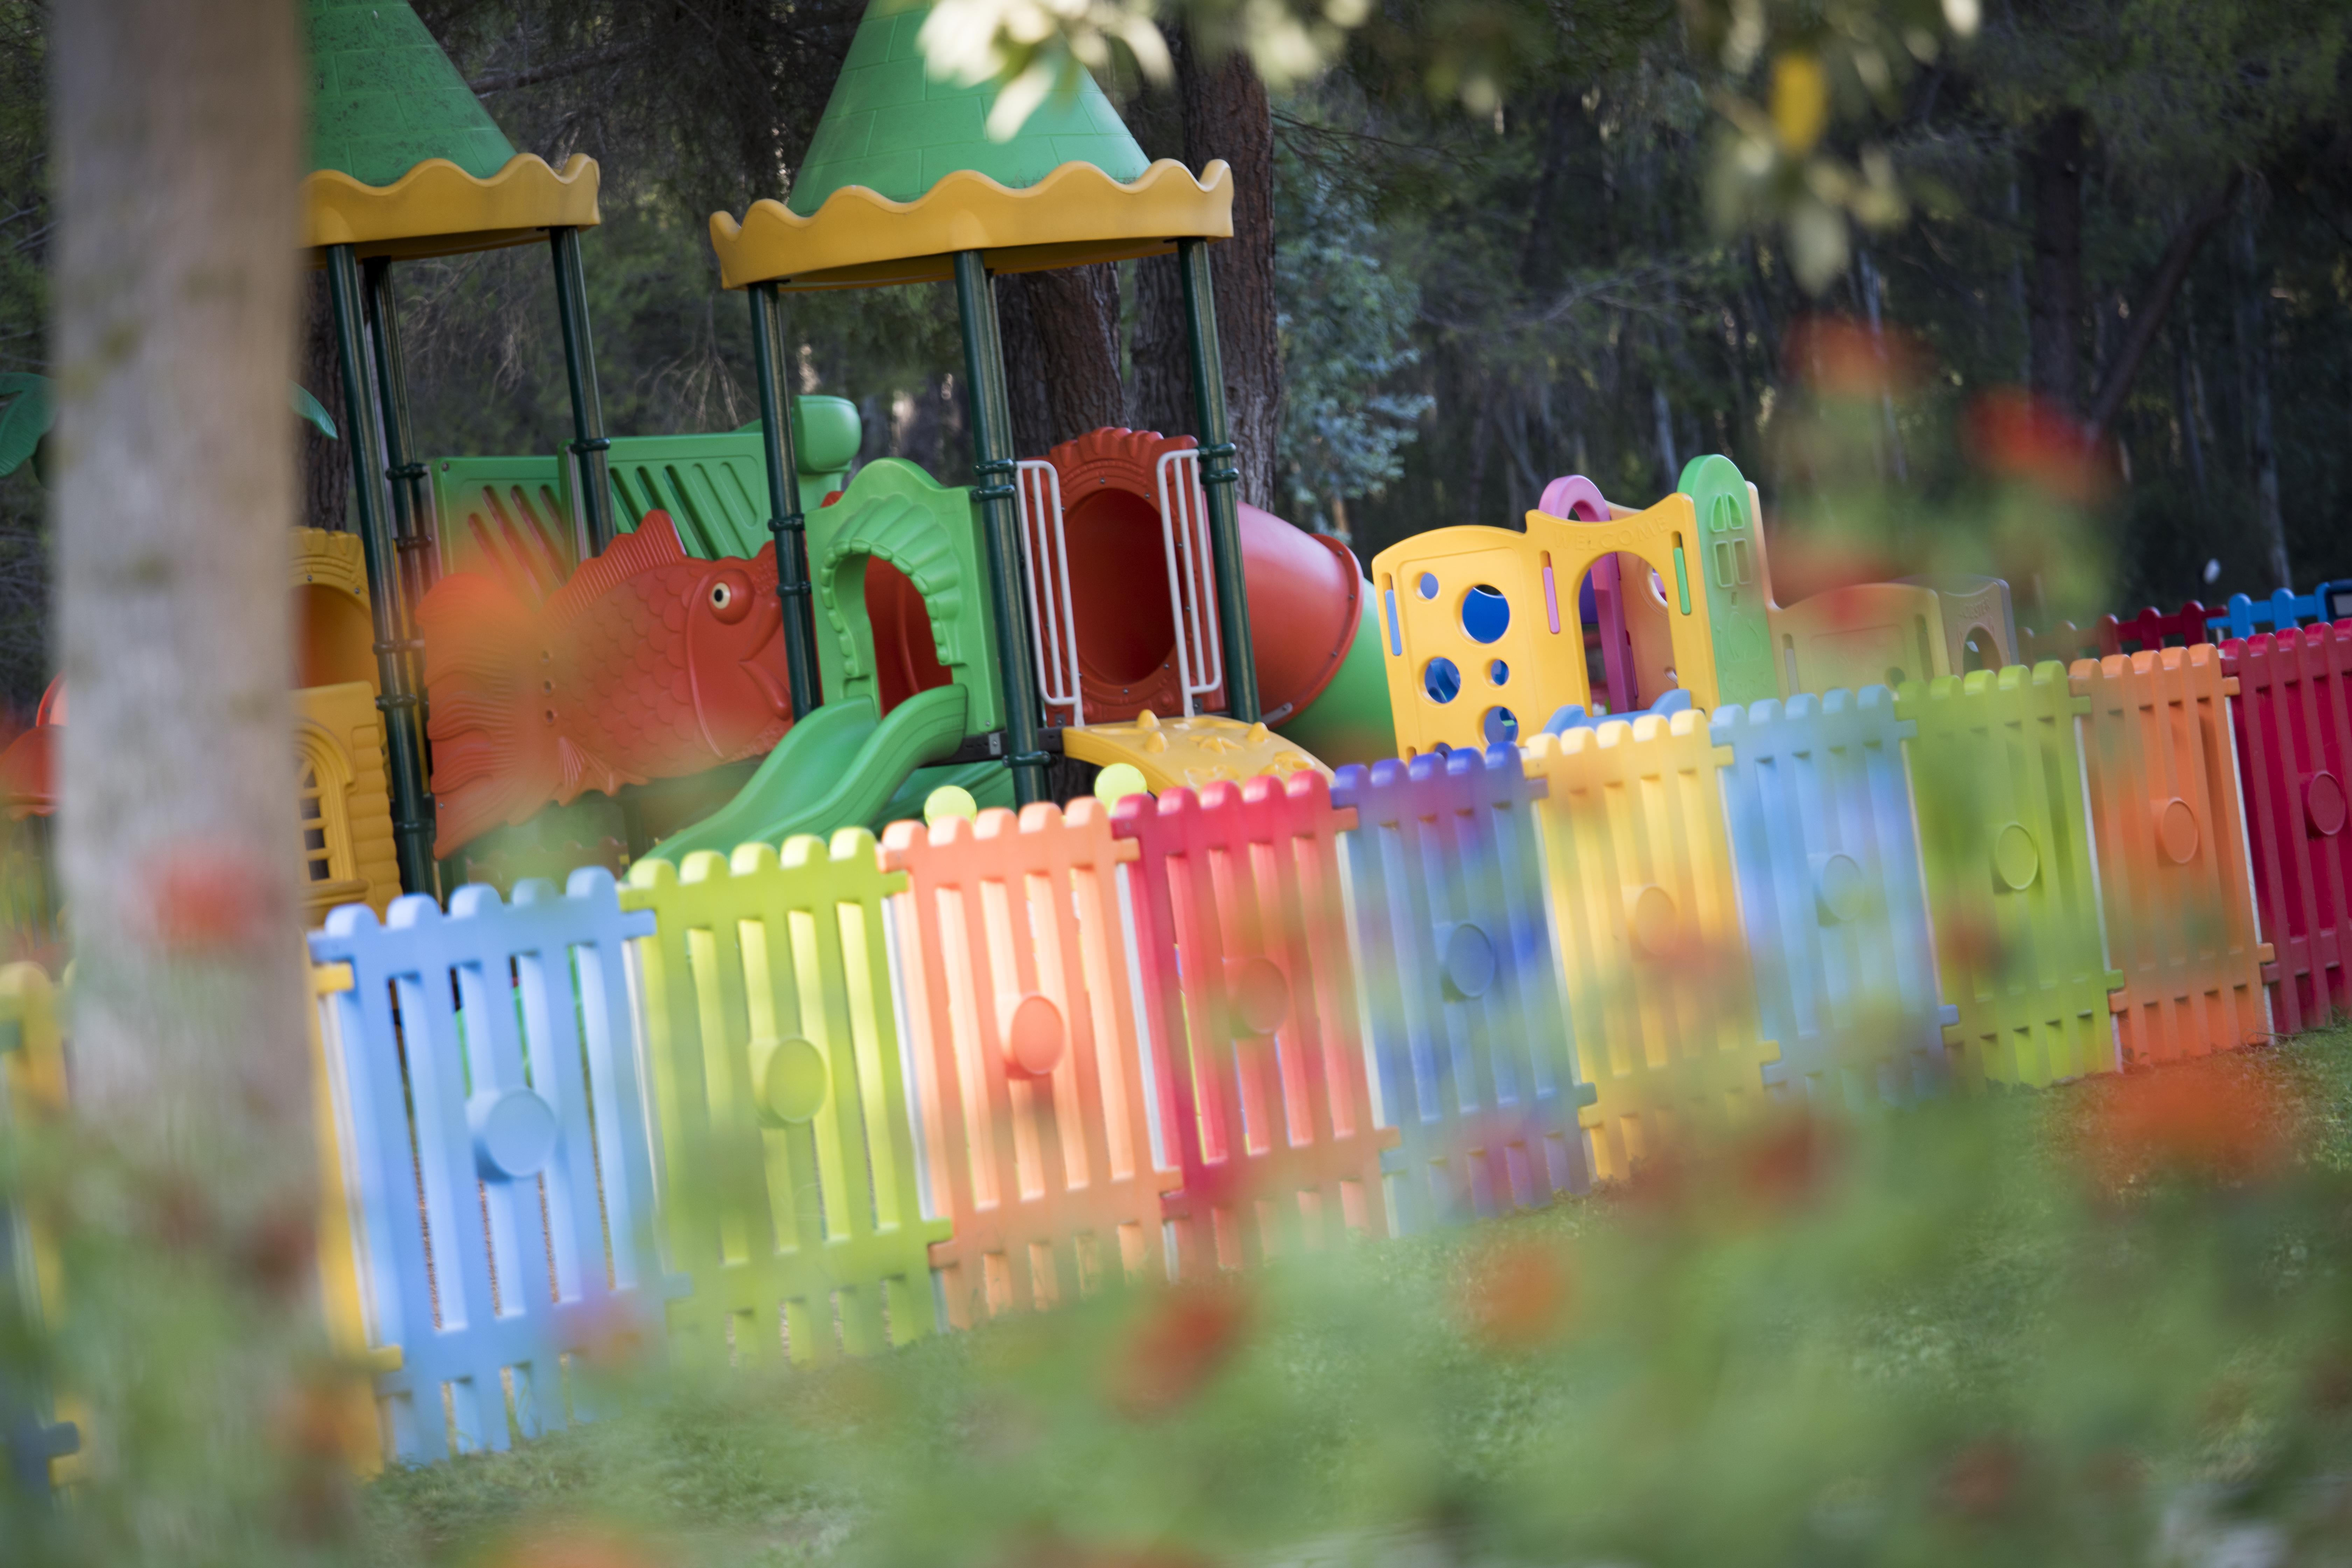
pixel 436 178
pixel 1481 624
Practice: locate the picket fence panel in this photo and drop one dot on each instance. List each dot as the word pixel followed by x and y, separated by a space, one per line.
pixel 788 1178
pixel 1250 995
pixel 1027 1065
pixel 40 1438
pixel 1829 891
pixel 2174 872
pixel 529 1149
pixel 1477 1070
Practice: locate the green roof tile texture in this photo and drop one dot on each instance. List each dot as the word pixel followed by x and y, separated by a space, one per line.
pixel 894 130
pixel 383 98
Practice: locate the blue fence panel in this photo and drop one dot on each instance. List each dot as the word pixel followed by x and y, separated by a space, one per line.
pixel 1477 1071
pixel 2283 611
pixel 1830 892
pixel 522 1130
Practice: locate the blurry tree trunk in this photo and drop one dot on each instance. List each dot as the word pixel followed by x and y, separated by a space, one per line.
pixel 1161 396
pixel 2156 300
pixel 178 129
pixel 2053 175
pixel 325 466
pixel 2254 365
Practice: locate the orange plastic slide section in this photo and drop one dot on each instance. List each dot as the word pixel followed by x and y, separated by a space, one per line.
pixel 1306 594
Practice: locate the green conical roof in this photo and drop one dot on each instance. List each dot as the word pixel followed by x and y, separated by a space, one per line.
pixel 892 129
pixel 383 98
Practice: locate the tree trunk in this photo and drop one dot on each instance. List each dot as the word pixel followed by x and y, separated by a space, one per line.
pixel 2254 355
pixel 2053 176
pixel 325 466
pixel 2156 300
pixel 1226 116
pixel 178 129
pixel 1027 371
pixel 1160 397
pixel 1076 314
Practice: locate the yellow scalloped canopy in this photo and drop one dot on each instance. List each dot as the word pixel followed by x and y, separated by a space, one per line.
pixel 1075 215
pixel 438 209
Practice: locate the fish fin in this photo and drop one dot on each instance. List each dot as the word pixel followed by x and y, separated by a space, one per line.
pixel 493 760
pixel 653 546
pixel 578 769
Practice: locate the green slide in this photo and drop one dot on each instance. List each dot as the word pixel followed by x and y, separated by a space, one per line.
pixel 836 768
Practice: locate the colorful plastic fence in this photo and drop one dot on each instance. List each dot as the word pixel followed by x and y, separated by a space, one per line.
pixel 487 1067
pixel 2283 611
pixel 1836 916
pixel 1249 997
pixel 2173 866
pixel 788 1178
pixel 1996 780
pixel 2294 731
pixel 1477 1070
pixel 1023 1026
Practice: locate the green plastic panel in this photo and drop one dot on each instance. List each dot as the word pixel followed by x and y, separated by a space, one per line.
pixel 383 98
pixel 892 129
pixel 893 511
pixel 504 516
pixel 1729 563
pixel 2005 840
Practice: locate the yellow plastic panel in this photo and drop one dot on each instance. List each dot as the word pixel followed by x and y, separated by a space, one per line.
pixel 1869 634
pixel 1422 584
pixel 1661 999
pixel 1189 753
pixel 347 848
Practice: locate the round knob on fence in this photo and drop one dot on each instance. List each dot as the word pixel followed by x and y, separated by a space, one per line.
pixel 1034 1038
pixel 2176 830
pixel 1840 890
pixel 1469 961
pixel 2015 859
pixel 1655 921
pixel 2323 806
pixel 1259 996
pixel 789 1080
pixel 514 1133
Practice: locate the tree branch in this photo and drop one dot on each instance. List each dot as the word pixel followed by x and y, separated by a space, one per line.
pixel 2148 314
pixel 553 70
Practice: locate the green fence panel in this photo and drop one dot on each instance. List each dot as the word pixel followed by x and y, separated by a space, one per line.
pixel 788 1172
pixel 2005 838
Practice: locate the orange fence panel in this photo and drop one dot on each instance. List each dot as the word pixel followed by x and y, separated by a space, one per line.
pixel 1661 998
pixel 1036 1130
pixel 2174 874
pixel 1257 1039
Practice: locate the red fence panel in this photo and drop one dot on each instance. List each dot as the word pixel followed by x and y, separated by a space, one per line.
pixel 1258 1039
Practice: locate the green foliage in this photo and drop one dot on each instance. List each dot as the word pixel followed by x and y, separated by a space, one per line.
pixel 2104 1323
pixel 26 420
pixel 311 411
pixel 1345 324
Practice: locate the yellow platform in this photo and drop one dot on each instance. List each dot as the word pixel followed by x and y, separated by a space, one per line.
pixel 1189 752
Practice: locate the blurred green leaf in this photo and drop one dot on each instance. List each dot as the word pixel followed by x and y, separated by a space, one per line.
pixel 26 420
pixel 311 409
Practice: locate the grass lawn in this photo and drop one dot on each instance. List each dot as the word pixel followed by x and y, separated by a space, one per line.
pixel 2111 1322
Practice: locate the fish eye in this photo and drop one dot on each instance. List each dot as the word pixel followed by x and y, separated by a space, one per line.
pixel 730 598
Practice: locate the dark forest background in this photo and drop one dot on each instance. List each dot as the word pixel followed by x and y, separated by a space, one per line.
pixel 1579 252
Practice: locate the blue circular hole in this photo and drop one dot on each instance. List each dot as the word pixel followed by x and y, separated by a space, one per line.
pixel 1498 672
pixel 1428 584
pixel 1501 726
pixel 1485 614
pixel 1442 679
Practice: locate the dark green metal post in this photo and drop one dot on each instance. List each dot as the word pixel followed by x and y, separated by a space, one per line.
pixel 786 523
pixel 410 506
pixel 396 647
pixel 1219 480
pixel 1000 530
pixel 592 485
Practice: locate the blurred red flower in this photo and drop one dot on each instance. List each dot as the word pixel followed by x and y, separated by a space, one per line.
pixel 1519 1295
pixel 2215 1117
pixel 2022 436
pixel 1841 357
pixel 1186 1335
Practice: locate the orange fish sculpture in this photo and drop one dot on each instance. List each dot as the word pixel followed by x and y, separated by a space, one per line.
pixel 647 664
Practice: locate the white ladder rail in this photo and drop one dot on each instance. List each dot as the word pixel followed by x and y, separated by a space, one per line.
pixel 1053 613
pixel 1192 593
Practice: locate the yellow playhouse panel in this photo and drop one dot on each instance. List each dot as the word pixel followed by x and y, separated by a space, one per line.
pixel 334 636
pixel 345 804
pixel 1866 634
pixel 1189 753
